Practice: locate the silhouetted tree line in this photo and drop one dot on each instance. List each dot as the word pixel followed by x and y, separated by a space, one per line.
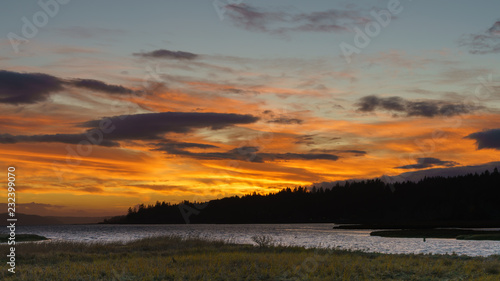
pixel 460 198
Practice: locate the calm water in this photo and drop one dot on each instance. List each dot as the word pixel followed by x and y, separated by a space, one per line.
pixel 308 235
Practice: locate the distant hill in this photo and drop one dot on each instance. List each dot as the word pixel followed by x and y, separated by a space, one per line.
pixel 79 220
pixel 24 219
pixel 416 176
pixel 442 172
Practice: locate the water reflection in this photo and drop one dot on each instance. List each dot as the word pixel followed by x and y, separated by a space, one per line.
pixel 308 235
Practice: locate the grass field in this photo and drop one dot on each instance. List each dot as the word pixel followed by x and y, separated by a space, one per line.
pixel 174 258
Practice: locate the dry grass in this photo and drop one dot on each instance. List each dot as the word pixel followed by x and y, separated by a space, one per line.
pixel 174 258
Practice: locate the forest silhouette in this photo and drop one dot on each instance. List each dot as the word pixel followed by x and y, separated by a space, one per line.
pixel 462 200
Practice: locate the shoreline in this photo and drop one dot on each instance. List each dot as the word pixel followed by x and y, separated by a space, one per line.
pixel 419 225
pixel 23 238
pixel 173 257
pixel 458 234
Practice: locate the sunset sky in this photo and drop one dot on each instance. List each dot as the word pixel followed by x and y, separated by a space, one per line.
pixel 108 104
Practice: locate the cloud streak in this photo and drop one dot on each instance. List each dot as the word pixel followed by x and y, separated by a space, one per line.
pixel 167 54
pixel 61 138
pixel 487 42
pixel 244 153
pixel 150 126
pixel 428 162
pixel 96 85
pixel 153 125
pixel 28 88
pixel 286 121
pixel 260 20
pixel 351 151
pixel 426 108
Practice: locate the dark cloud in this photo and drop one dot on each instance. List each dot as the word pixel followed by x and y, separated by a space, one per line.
pixel 356 152
pixel 245 153
pixel 422 108
pixel 252 18
pixel 106 131
pixel 368 103
pixel 234 90
pixel 280 118
pixel 486 139
pixel 284 120
pixel 280 22
pixel 240 91
pixel 299 156
pixel 242 153
pixel 182 145
pixel 100 86
pixel 359 152
pixel 371 103
pixel 495 29
pixel 487 42
pixel 305 139
pixel 428 162
pixel 62 138
pixel 429 108
pixel 393 103
pixel 166 54
pixel 25 88
pixel 153 125
pixel 178 148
